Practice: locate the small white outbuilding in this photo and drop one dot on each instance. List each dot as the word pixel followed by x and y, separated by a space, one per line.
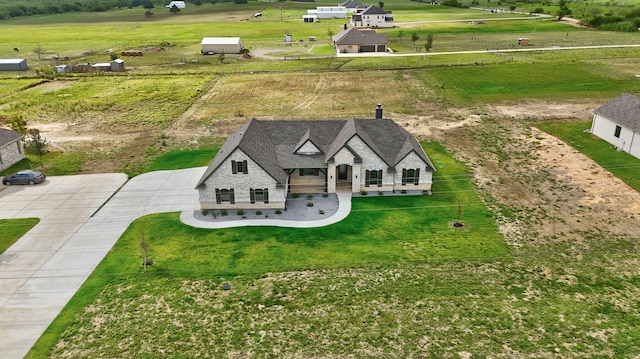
pixel 217 45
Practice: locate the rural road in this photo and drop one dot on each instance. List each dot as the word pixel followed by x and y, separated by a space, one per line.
pixel 552 48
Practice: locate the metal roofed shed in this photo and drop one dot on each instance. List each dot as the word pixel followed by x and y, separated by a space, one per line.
pixel 218 45
pixel 13 65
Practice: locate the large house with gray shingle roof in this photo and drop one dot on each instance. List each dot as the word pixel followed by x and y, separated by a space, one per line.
pixel 11 150
pixel 618 122
pixel 263 161
pixel 352 40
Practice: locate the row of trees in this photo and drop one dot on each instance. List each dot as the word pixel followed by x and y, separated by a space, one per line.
pixel 46 7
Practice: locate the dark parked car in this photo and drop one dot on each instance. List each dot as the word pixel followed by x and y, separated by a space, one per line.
pixel 24 177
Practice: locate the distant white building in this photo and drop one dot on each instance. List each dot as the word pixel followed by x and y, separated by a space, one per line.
pixel 13 65
pixel 325 12
pixel 178 4
pixel 218 45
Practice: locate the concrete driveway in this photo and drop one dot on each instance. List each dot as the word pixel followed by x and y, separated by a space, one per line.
pixel 42 271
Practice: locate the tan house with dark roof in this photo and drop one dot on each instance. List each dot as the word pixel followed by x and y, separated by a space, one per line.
pixel 265 160
pixel 352 40
pixel 618 122
pixel 11 150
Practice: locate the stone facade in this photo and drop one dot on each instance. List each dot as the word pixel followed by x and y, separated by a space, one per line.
pixel 10 154
pixel 425 177
pixel 241 183
pixel 278 157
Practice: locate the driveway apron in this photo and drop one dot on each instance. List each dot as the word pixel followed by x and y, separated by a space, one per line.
pixel 42 271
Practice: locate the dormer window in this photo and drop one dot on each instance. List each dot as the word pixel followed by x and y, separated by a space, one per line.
pixel 239 167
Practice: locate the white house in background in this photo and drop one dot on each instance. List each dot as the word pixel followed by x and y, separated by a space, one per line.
pixel 218 45
pixel 178 4
pixel 325 12
pixel 263 161
pixel 618 122
pixel 373 17
pixel 353 6
pixel 11 150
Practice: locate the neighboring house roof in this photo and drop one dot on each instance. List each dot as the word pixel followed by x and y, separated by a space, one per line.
pixel 354 36
pixel 11 61
pixel 8 136
pixel 624 109
pixel 273 144
pixel 350 4
pixel 374 10
pixel 220 41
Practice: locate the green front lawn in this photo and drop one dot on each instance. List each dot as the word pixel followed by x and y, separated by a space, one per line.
pixel 381 230
pixel 12 229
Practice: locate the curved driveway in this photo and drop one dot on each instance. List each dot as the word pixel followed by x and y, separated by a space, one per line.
pixel 81 219
pixel 42 271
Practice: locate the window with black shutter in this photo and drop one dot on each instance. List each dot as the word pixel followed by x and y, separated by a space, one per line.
pixel 239 167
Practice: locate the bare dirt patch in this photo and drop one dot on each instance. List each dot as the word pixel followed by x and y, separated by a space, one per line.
pixel 552 191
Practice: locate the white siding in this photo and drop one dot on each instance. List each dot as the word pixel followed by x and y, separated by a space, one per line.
pixel 605 128
pixel 224 178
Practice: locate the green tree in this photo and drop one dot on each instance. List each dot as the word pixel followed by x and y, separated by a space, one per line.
pixel 400 35
pixel 38 50
pixel 414 37
pixel 221 57
pixel 148 14
pixel 381 4
pixel 148 5
pixel 564 9
pixel 18 124
pixel 36 144
pixel 174 9
pixel 197 3
pixel 429 44
pixel 330 33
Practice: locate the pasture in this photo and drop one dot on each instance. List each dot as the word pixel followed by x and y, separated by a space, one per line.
pixel 536 273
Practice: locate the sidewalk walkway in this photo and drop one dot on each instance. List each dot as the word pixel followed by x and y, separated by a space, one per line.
pixel 344 207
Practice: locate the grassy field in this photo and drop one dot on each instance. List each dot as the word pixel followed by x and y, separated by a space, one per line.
pixel 621 164
pixel 392 280
pixel 12 229
pixel 383 232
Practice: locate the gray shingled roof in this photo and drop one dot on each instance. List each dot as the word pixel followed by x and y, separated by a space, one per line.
pixel 624 109
pixel 272 144
pixel 7 136
pixel 350 4
pixel 353 36
pixel 374 10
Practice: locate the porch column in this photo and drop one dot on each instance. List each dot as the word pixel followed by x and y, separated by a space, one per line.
pixel 355 177
pixel 331 178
